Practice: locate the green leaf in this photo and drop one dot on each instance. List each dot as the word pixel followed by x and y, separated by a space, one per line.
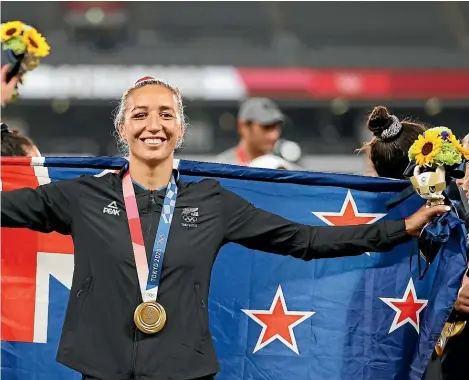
pixel 16 45
pixel 448 155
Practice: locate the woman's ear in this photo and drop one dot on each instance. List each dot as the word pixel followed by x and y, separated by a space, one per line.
pixel 369 167
pixel 182 131
pixel 122 132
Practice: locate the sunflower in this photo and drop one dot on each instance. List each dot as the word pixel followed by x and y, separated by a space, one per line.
pixel 36 43
pixel 458 146
pixel 11 29
pixel 425 148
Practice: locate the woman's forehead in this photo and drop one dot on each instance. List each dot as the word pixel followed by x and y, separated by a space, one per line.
pixel 152 95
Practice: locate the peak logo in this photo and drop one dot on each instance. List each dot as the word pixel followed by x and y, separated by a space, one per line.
pixel 111 209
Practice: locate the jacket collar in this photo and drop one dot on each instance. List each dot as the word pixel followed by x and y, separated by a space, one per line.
pixel 176 174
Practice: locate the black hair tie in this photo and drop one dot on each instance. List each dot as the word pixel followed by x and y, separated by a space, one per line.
pixel 4 129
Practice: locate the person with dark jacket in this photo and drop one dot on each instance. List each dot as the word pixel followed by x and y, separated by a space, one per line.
pixel 127 319
pixel 388 154
pixel 456 353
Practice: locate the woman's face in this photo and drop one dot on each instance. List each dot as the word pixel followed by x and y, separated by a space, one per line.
pixel 152 125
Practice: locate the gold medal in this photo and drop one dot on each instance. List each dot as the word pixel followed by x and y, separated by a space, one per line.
pixel 440 345
pixel 150 317
pixel 453 329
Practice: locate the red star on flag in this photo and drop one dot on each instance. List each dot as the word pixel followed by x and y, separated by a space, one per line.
pixel 278 323
pixel 407 308
pixel 348 215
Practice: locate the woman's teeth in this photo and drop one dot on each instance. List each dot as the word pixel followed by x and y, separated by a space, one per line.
pixel 153 141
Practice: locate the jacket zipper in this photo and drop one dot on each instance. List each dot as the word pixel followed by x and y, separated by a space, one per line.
pixel 134 352
pixel 152 199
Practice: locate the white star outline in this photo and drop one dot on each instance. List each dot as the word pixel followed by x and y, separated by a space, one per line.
pixel 348 199
pixel 388 301
pixel 294 346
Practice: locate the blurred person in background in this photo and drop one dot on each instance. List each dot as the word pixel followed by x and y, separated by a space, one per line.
pixel 259 127
pixel 464 182
pixel 456 354
pixel 8 88
pixel 388 155
pixel 16 144
pixel 13 142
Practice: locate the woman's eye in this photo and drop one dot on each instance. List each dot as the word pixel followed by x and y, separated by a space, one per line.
pixel 166 115
pixel 139 115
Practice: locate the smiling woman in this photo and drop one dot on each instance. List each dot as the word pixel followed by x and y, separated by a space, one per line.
pixel 141 280
pixel 149 125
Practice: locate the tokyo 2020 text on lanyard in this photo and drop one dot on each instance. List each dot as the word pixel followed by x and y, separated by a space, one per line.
pixel 149 316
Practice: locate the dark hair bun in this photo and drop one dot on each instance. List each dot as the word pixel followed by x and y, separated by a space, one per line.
pixel 379 120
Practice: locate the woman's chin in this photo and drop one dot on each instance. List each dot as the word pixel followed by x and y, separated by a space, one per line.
pixel 155 157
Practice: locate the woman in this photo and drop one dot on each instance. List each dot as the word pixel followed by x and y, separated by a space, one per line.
pixel 456 354
pixel 388 154
pixel 388 150
pixel 109 333
pixel 16 144
pixel 463 183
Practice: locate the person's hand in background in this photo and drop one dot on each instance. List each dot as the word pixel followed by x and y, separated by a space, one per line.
pixel 8 88
pixel 462 303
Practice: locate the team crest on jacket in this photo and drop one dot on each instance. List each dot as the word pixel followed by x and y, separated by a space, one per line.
pixel 190 217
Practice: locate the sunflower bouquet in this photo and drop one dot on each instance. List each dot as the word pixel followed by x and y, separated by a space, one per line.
pixel 436 153
pixel 24 46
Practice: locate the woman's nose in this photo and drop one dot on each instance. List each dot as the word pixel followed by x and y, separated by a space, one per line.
pixel 154 123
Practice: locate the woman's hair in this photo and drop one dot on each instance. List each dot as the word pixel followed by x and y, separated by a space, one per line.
pixel 13 143
pixel 388 150
pixel 119 117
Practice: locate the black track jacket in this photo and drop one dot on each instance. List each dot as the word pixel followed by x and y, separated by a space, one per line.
pixel 99 337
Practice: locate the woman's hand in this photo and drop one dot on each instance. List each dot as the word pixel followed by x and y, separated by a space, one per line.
pixel 462 303
pixel 415 223
pixel 8 88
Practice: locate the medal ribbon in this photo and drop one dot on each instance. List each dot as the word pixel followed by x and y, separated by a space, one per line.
pixel 149 275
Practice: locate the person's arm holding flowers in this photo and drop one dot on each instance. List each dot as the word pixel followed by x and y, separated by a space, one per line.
pixel 24 47
pixel 436 157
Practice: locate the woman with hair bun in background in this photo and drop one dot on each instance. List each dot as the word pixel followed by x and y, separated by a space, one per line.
pixel 388 150
pixel 16 144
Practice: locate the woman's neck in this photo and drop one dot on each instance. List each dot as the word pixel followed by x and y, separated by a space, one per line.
pixel 151 177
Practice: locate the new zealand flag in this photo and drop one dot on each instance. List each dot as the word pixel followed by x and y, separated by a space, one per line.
pixel 272 317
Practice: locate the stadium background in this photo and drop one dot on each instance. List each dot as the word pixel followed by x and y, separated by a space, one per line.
pixel 325 63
